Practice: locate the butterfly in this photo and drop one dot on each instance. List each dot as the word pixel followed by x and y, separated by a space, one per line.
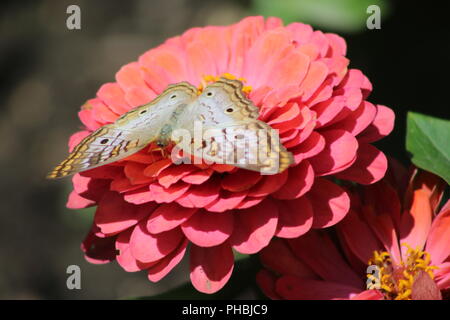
pixel 230 132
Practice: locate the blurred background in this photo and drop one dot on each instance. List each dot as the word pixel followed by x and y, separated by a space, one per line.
pixel 47 72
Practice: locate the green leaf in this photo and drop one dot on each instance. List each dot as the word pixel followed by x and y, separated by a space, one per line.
pixel 428 140
pixel 336 15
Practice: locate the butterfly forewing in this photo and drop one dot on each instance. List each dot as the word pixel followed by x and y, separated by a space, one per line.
pixel 127 135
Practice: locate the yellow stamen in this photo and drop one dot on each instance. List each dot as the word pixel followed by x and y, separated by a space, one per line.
pixel 207 79
pixel 396 281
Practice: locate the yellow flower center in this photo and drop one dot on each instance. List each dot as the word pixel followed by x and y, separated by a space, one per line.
pixel 210 78
pixel 396 280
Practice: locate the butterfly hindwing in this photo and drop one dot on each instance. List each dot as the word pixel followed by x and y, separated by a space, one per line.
pixel 231 132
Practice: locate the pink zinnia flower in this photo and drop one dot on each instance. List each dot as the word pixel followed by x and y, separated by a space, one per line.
pixel 408 241
pixel 149 209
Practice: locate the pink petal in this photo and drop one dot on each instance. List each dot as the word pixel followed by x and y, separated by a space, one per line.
pixel 166 195
pixel 312 146
pixel 381 126
pixel 338 47
pixel 317 73
pixel 254 227
pixel 300 180
pixel 369 295
pixel 138 196
pixel 88 120
pixel 207 229
pixel 438 244
pixel 226 201
pixel 199 61
pixel 328 110
pixel 295 218
pixel 268 184
pixel 267 50
pixel 162 67
pixel 165 265
pixel 75 201
pixel 113 96
pixel 173 174
pixel 114 214
pixel 129 76
pixel 211 268
pixel 339 152
pixel 197 177
pixel 369 167
pixel 76 138
pixel 200 196
pixel 147 247
pixel 358 120
pixel 249 202
pixel 124 258
pixel 329 201
pixel 167 217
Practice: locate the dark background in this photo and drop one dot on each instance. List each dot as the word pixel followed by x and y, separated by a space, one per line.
pixel 47 72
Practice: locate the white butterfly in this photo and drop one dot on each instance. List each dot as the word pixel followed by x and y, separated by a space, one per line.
pixel 230 132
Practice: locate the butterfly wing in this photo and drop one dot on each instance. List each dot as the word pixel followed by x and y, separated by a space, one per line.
pixel 232 134
pixel 127 135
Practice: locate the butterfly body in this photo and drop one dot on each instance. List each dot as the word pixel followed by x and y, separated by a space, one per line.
pixel 229 131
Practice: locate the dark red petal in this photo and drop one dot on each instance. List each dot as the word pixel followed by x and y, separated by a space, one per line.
pixel 268 184
pixel 369 167
pixel 295 217
pixel 240 180
pixel 211 268
pixel 339 153
pixel 254 227
pixel 98 250
pixel 165 265
pixel 114 214
pixel 293 288
pixel 329 201
pixel 226 201
pixel 300 180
